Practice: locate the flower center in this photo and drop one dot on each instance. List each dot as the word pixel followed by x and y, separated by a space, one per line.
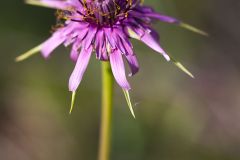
pixel 99 12
pixel 105 12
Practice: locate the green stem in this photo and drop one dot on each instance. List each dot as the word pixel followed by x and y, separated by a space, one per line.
pixel 106 117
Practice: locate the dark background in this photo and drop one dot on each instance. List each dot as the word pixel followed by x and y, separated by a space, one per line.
pixel 178 118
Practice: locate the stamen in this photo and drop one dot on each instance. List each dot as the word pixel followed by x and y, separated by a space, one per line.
pixel 96 11
pixel 85 4
pixel 130 2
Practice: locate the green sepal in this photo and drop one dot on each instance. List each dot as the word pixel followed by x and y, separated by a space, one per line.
pixel 193 29
pixel 128 99
pixel 36 3
pixel 29 53
pixel 72 102
pixel 181 67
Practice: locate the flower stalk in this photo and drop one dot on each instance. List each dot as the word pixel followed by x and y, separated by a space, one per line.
pixel 106 113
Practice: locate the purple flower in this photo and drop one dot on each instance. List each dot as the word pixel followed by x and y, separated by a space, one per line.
pixel 104 27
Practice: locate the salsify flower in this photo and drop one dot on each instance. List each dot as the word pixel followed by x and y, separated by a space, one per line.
pixel 104 27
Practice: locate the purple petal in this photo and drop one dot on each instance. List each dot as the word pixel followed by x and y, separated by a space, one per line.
pixel 149 12
pixel 56 39
pixel 105 48
pixel 124 41
pixel 77 44
pixel 108 32
pixel 144 9
pixel 79 69
pixel 76 3
pixel 150 40
pixel 74 52
pixel 100 44
pixel 78 32
pixel 133 63
pixel 163 18
pixel 115 37
pixel 90 36
pixel 135 28
pixel 118 69
pixel 81 34
pixel 52 43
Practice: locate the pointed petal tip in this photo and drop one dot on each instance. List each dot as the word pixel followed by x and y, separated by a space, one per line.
pixel 167 57
pixel 28 53
pixel 128 99
pixel 46 57
pixel 193 29
pixel 118 69
pixel 133 64
pixel 79 70
pixel 72 102
pixel 33 2
pixel 18 59
pixel 183 68
pixel 153 43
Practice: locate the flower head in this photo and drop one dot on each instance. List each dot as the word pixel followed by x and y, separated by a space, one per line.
pixel 104 27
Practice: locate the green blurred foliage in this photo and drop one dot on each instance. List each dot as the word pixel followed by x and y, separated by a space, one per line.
pixel 178 118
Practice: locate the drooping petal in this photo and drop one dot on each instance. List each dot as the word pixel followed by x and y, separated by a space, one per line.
pixel 124 41
pixel 103 55
pixel 58 37
pixel 134 29
pixel 69 41
pixel 163 18
pixel 51 44
pixel 168 19
pixel 77 40
pixel 118 69
pixel 77 43
pixel 109 36
pixel 80 68
pixel 106 49
pixel 142 12
pixel 133 63
pixel 117 39
pixel 99 40
pixel 92 30
pixel 120 45
pixel 74 52
pixel 154 34
pixel 100 45
pixel 150 41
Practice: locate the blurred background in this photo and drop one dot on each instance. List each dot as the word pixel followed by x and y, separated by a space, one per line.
pixel 178 118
